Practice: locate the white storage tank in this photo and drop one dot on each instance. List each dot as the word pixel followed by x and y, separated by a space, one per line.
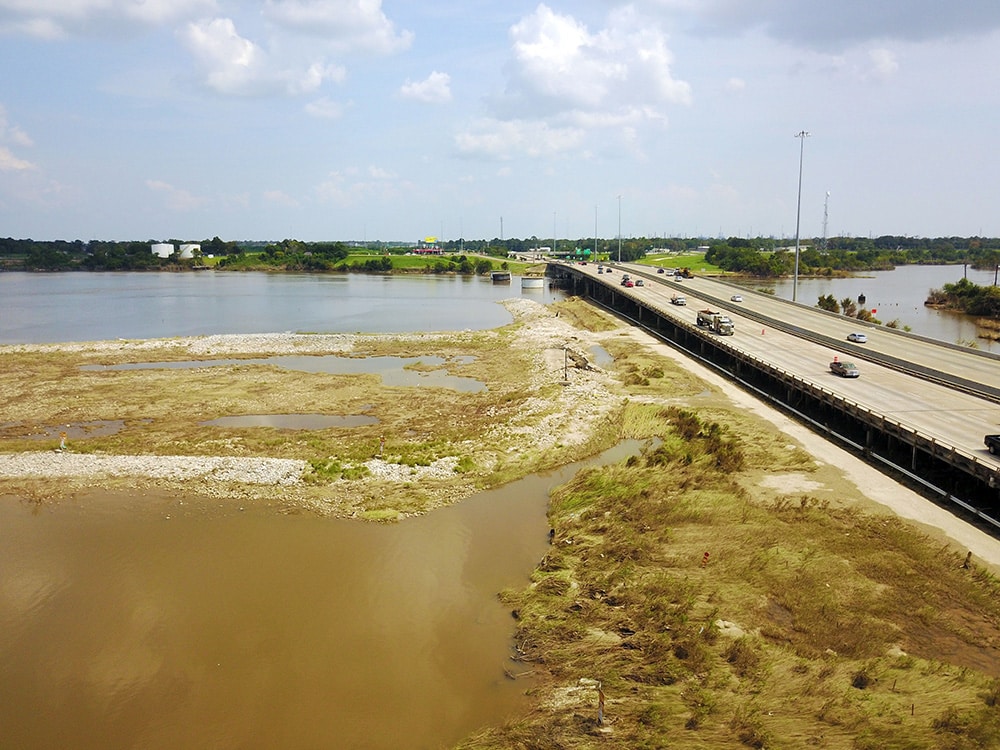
pixel 162 249
pixel 188 248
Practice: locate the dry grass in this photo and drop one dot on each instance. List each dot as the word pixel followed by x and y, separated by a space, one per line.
pixel 493 435
pixel 808 624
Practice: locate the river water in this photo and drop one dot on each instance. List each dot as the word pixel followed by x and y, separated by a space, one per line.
pixel 899 295
pixel 154 621
pixel 40 308
pixel 150 621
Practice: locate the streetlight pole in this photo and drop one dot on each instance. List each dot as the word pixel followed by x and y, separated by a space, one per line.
pixel 619 229
pixel 801 135
pixel 595 234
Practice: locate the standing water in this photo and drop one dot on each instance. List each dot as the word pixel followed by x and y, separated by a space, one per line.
pixel 159 622
pixel 899 295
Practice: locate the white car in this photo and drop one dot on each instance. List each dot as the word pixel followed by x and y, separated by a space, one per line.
pixel 736 298
pixel 857 338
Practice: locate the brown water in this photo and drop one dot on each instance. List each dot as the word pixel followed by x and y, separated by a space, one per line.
pixel 161 622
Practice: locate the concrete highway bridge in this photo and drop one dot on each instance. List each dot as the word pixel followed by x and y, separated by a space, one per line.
pixel 919 409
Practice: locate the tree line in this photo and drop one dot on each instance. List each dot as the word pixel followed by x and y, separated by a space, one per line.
pixel 762 257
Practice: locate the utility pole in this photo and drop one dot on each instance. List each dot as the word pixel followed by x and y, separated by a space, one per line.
pixel 826 215
pixel 619 229
pixel 595 234
pixel 801 135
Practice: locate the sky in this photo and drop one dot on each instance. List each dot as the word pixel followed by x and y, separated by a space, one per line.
pixel 364 120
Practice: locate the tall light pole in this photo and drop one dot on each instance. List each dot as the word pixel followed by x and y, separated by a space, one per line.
pixel 826 216
pixel 595 234
pixel 801 135
pixel 619 229
pixel 555 246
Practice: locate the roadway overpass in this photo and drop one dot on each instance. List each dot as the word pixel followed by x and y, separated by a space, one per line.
pixel 919 410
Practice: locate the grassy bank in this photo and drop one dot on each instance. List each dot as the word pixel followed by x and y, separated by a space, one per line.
pixel 714 612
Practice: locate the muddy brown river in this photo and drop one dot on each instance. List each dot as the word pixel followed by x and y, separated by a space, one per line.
pixel 158 622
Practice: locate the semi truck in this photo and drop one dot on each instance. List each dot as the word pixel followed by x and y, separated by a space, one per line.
pixel 992 443
pixel 716 321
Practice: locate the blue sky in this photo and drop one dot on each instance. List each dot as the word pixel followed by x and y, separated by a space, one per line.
pixel 360 119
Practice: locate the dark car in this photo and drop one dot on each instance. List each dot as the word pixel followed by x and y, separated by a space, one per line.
pixel 844 369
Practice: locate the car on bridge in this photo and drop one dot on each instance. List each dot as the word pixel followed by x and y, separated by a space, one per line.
pixel 844 369
pixel 858 337
pixel 736 298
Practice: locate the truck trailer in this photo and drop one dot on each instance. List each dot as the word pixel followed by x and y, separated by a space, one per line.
pixel 716 321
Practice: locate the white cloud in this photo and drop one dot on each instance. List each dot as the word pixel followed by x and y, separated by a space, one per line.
pixel 567 85
pixel 559 65
pixel 11 163
pixel 884 63
pixel 279 198
pixel 177 199
pixel 503 139
pixel 736 85
pixel 350 186
pixel 231 63
pixel 55 19
pixel 435 89
pixel 326 109
pixel 12 134
pixel 345 24
pixel 236 66
pixel 380 173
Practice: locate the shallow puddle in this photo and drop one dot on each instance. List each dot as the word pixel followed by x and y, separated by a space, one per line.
pixel 74 430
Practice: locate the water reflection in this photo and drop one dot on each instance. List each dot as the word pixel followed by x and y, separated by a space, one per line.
pixel 394 371
pixel 157 621
pixel 899 295
pixel 602 357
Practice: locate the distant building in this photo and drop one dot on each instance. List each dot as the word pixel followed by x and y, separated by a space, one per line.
pixel 162 249
pixel 428 246
pixel 188 249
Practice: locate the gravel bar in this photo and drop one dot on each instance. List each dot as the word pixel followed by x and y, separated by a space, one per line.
pixel 47 464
